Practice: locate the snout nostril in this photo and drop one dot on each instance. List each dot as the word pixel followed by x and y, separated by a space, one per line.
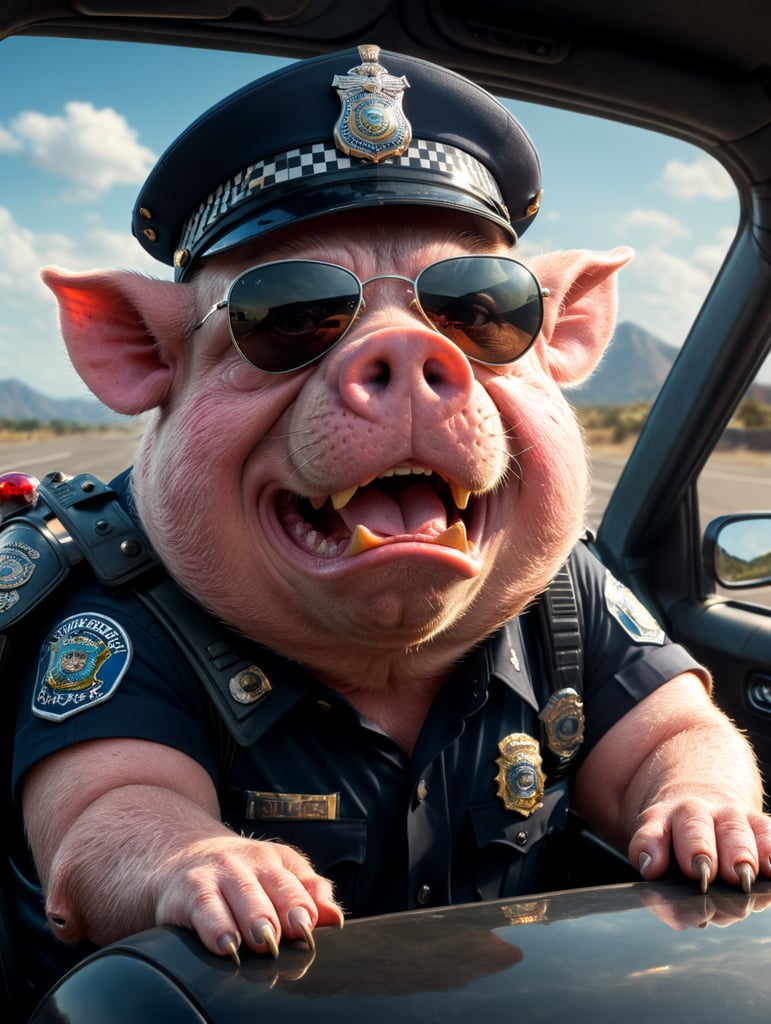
pixel 378 374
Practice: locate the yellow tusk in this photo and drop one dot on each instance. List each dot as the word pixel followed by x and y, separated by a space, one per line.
pixel 363 539
pixel 460 495
pixel 341 499
pixel 454 537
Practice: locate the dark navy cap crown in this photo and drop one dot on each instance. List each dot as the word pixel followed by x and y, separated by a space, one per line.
pixel 345 130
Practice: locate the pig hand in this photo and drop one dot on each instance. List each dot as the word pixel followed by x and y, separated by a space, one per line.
pixel 677 784
pixel 172 860
pixel 234 889
pixel 707 837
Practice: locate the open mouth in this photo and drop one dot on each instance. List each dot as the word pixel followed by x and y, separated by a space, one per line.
pixel 404 503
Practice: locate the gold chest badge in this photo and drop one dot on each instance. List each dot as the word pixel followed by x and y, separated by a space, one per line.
pixel 520 778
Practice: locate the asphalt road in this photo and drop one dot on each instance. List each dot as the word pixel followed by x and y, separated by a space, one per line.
pixel 103 454
pixel 731 482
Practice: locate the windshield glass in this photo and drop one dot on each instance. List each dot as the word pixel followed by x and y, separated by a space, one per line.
pixel 82 123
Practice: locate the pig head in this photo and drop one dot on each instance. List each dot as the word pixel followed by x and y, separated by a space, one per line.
pixel 391 504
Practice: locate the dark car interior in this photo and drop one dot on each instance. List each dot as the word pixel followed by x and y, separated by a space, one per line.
pixel 696 69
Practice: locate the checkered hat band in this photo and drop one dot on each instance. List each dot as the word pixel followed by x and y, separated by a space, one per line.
pixel 459 168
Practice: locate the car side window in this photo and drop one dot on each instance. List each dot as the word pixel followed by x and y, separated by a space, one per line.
pixel 735 499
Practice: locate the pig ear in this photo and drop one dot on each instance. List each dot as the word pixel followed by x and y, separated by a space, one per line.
pixel 580 311
pixel 124 333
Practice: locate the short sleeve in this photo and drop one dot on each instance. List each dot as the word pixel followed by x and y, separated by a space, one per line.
pixel 627 654
pixel 69 692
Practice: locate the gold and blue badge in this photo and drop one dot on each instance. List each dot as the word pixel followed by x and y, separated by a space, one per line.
pixel 563 719
pixel 520 779
pixel 17 564
pixel 81 665
pixel 630 613
pixel 372 124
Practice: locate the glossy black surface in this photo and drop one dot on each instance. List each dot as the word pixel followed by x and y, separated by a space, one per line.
pixel 633 952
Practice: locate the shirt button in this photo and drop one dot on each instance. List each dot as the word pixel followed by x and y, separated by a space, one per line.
pixel 424 895
pixel 422 791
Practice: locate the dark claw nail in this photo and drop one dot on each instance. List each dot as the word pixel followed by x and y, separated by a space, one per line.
pixel 228 945
pixel 298 918
pixel 745 875
pixel 702 865
pixel 269 938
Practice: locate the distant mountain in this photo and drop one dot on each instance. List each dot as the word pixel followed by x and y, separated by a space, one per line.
pixel 633 370
pixel 20 402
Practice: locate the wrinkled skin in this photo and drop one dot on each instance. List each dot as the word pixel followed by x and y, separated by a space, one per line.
pixel 233 482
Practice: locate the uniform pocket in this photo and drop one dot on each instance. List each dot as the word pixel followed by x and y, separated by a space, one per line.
pixel 512 847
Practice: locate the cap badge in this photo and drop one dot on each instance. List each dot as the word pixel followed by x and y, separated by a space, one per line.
pixel 563 718
pixel 371 124
pixel 520 779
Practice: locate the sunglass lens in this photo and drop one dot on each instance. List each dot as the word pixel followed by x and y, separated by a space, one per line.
pixel 490 307
pixel 284 315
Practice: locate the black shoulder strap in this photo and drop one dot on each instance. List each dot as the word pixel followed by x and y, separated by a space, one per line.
pixel 562 717
pixel 561 631
pixel 235 685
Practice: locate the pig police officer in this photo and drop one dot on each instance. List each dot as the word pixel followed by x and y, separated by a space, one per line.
pixel 360 467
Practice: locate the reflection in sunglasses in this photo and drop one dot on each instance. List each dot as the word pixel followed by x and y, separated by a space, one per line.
pixel 285 315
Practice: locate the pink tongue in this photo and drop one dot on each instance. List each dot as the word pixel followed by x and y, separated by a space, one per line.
pixel 416 509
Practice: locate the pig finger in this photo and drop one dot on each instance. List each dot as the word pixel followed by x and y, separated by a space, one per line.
pixel 740 841
pixel 298 895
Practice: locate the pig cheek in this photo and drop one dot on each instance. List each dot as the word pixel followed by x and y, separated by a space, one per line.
pixel 196 481
pixel 548 478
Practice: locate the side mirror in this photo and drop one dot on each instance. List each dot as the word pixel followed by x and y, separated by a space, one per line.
pixel 736 551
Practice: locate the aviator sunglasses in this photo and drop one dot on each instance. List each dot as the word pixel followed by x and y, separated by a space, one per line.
pixel 287 314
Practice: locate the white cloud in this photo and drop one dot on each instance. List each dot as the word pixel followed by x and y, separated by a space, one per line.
pixel 8 142
pixel 30 343
pixel 95 149
pixel 663 224
pixel 662 292
pixel 702 178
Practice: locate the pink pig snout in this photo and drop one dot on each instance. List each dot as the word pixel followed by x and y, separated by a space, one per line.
pixel 396 371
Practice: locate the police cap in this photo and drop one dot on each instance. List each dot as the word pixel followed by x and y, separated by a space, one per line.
pixel 359 128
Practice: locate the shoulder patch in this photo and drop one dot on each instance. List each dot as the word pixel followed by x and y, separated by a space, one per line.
pixel 630 613
pixel 81 665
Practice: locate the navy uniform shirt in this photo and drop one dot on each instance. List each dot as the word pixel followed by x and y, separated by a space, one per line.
pixel 392 831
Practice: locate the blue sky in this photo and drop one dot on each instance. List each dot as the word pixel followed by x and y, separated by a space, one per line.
pixel 81 124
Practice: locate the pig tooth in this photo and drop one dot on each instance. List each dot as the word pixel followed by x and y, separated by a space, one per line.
pixel 363 539
pixel 341 498
pixel 454 537
pixel 460 495
pixel 405 471
pixel 318 503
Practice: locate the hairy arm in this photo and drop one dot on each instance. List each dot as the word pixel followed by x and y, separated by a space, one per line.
pixel 675 779
pixel 126 834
